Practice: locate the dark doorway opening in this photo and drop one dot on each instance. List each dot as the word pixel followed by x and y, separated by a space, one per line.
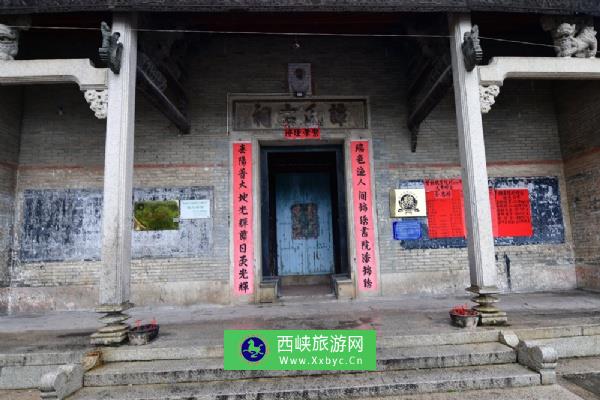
pixel 303 215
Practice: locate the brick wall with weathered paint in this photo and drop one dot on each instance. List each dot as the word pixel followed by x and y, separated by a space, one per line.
pixel 578 111
pixel 62 147
pixel 521 139
pixel 10 120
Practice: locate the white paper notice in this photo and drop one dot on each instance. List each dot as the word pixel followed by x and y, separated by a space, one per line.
pixel 194 209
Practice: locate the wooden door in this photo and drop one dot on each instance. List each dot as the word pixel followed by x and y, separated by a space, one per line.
pixel 304 223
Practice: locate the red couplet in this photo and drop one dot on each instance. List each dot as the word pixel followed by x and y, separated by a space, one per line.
pixel 364 225
pixel 243 244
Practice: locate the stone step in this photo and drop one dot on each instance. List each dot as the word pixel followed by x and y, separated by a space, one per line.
pixel 23 370
pixel 162 349
pixel 23 358
pixel 574 346
pixel 24 377
pixel 578 365
pixel 327 386
pixel 210 369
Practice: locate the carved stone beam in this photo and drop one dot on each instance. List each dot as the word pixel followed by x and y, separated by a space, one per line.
pixel 79 71
pixel 492 76
pixel 501 68
pixel 92 81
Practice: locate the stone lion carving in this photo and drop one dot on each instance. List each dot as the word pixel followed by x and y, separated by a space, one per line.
pixel 583 45
pixel 9 42
pixel 572 37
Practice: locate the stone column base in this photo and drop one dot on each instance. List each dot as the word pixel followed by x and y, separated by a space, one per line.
pixel 490 314
pixel 114 331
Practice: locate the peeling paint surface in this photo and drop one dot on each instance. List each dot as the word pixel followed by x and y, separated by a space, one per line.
pixel 66 225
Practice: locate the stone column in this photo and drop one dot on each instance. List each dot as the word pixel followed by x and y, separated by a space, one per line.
pixel 118 174
pixel 480 239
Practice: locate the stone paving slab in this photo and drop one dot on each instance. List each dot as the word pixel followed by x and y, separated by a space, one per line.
pixel 588 382
pixel 579 365
pixel 329 386
pixel 553 392
pixel 526 310
pixel 423 320
pixel 30 394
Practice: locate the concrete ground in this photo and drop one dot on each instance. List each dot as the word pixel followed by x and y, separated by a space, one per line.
pixel 391 317
pixel 400 316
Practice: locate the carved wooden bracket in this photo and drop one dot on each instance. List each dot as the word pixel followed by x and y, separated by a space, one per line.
pixel 164 93
pixel 111 50
pixel 160 75
pixel 471 49
pixel 431 79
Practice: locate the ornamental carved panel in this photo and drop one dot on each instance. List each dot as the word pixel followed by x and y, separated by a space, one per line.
pixel 335 113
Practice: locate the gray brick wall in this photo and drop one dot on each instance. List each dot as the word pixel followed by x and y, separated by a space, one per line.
pixel 521 140
pixel 10 121
pixel 578 106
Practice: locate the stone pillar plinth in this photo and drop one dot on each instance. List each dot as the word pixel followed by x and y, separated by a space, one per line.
pixel 118 175
pixel 480 239
pixel 115 329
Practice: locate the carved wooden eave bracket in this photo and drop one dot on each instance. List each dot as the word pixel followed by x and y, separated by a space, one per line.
pixel 471 49
pixel 163 91
pixel 111 50
pixel 492 76
pixel 430 77
pixel 423 99
pixel 79 71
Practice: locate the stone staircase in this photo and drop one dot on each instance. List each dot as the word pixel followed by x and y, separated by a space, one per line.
pixel 400 370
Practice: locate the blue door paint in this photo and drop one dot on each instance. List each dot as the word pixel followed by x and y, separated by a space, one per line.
pixel 304 224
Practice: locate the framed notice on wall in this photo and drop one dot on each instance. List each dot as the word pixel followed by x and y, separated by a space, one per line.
pixel 194 209
pixel 407 203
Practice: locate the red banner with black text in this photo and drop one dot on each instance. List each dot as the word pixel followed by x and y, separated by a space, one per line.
pixel 243 243
pixel 364 224
pixel 510 209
